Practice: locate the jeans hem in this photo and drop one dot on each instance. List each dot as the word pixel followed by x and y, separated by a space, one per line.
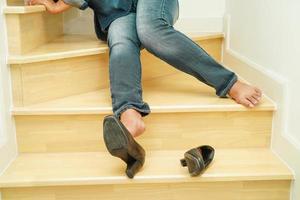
pixel 224 92
pixel 143 111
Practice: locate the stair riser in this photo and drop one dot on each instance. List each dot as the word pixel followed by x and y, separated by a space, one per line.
pixel 251 190
pixel 40 82
pixel 44 81
pixel 26 32
pixel 15 2
pixel 83 133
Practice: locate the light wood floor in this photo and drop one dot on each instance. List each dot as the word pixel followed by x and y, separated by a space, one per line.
pixel 164 94
pixel 161 166
pixel 250 190
pixel 18 9
pixel 67 46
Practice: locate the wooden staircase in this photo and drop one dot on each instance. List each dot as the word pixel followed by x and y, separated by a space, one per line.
pixel 61 94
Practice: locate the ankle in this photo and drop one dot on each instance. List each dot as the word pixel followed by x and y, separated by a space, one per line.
pixel 133 121
pixel 129 113
pixel 234 89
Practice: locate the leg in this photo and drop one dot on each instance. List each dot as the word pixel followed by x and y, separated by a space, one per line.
pixel 155 21
pixel 125 74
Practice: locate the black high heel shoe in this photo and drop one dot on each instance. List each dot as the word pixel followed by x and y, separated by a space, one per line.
pixel 198 159
pixel 121 144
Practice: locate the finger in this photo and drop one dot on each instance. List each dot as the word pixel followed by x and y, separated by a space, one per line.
pixel 33 2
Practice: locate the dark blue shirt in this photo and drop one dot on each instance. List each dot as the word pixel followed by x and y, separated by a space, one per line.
pixel 105 12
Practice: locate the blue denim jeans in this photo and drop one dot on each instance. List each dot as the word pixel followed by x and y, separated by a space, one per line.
pixel 152 27
pixel 125 66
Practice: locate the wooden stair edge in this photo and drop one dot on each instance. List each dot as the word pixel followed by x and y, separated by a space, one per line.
pixel 55 56
pixel 93 168
pixel 24 59
pixel 23 9
pixel 27 111
pixel 189 104
pixel 156 91
pixel 118 180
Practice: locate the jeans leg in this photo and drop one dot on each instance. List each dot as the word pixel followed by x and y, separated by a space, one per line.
pixel 155 20
pixel 125 66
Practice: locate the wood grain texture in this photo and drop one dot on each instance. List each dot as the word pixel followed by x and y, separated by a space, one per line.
pixel 168 131
pixel 254 190
pixel 27 32
pixel 65 46
pixel 68 46
pixel 166 94
pixel 93 168
pixel 23 9
pixel 17 86
pixel 42 82
pixel 15 2
pixel 45 81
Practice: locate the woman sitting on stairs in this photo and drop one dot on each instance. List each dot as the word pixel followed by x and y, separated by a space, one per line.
pixel 129 25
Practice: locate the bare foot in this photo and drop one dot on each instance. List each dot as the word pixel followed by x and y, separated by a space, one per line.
pixel 133 121
pixel 245 94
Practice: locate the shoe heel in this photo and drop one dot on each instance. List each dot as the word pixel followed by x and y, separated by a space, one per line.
pixel 132 170
pixel 183 162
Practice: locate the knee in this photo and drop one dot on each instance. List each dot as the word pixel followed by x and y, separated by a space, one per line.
pixel 123 50
pixel 123 40
pixel 122 45
pixel 151 31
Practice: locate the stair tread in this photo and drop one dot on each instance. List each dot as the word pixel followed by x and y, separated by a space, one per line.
pixel 21 9
pixel 65 46
pixel 39 169
pixel 172 93
pixel 68 46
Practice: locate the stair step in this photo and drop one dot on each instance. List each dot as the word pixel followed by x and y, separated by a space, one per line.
pixel 18 9
pixel 185 112
pixel 68 46
pixel 65 46
pixel 164 131
pixel 27 31
pixel 250 190
pixel 94 168
pixel 20 3
pixel 39 82
pixel 173 93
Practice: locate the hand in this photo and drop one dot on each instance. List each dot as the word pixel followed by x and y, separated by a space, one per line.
pixel 50 5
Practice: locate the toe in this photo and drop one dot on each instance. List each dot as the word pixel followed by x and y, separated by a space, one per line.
pixel 258 91
pixel 252 100
pixel 245 102
pixel 257 97
pixel 259 94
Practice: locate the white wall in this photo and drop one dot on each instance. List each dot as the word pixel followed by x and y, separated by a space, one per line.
pixel 7 134
pixel 202 8
pixel 267 34
pixel 195 16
